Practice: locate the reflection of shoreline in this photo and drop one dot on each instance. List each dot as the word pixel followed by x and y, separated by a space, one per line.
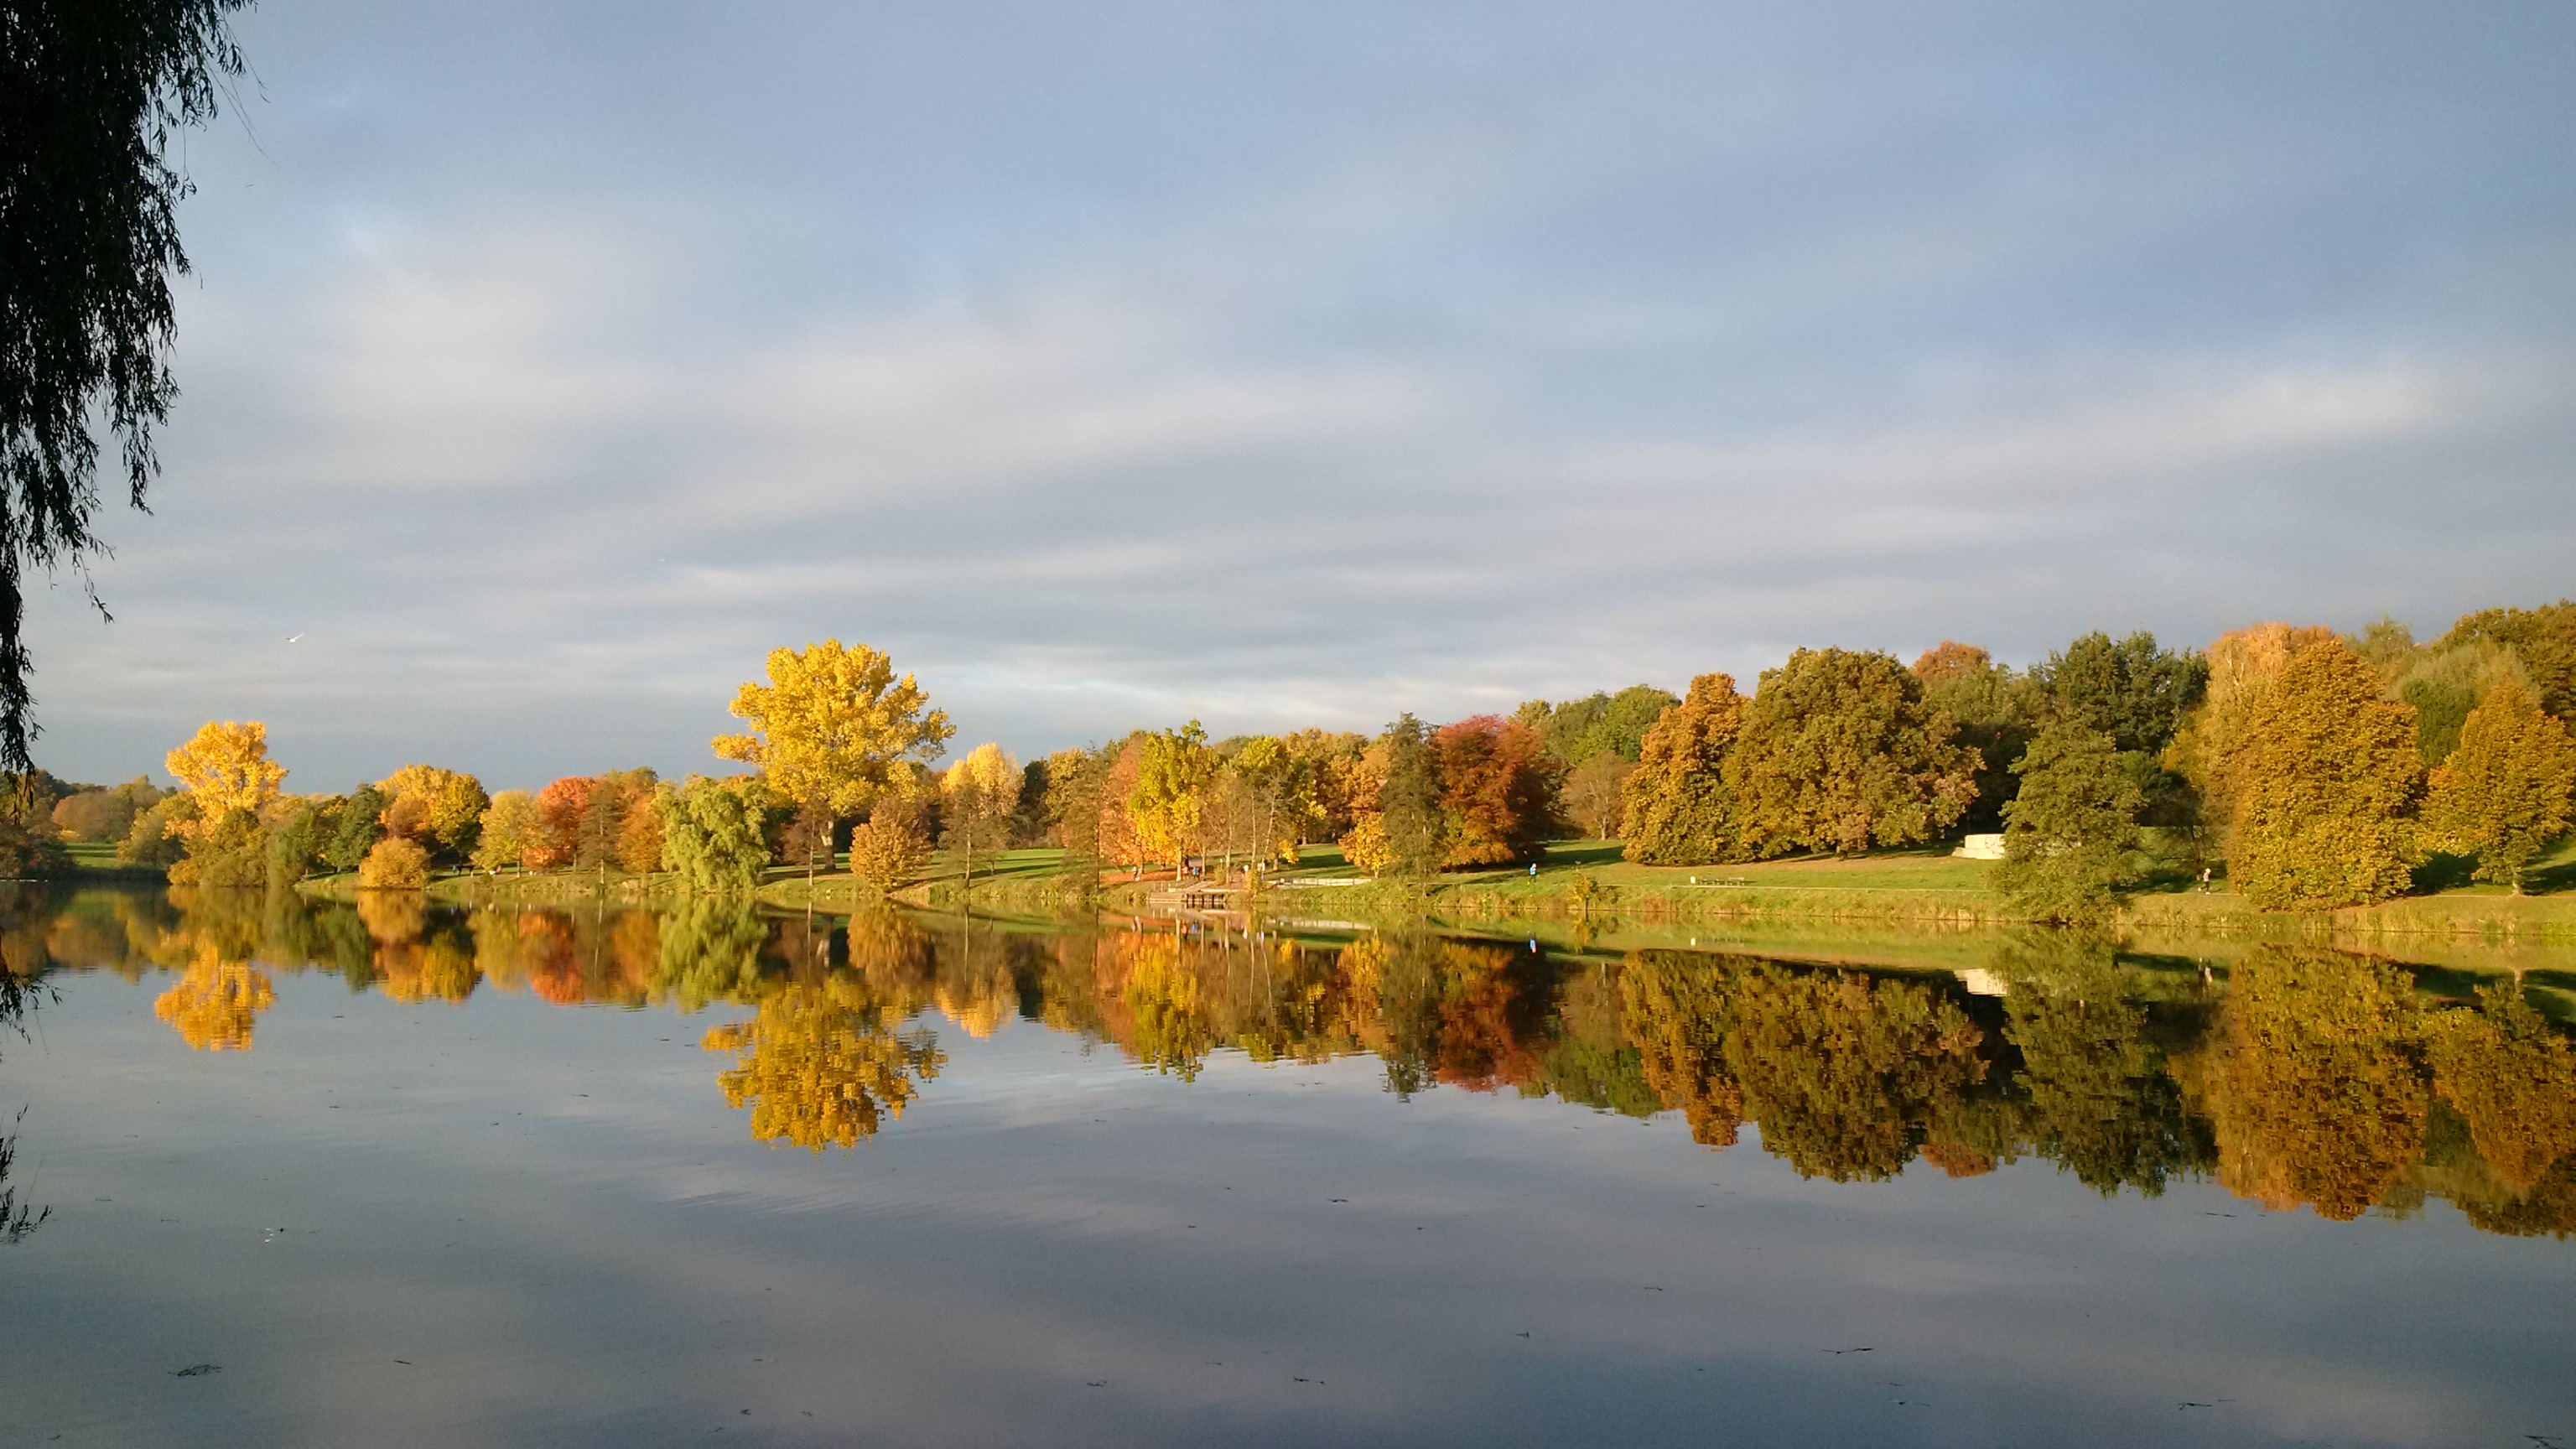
pixel 2293 1074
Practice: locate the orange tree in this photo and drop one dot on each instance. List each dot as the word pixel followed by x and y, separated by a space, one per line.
pixel 1678 807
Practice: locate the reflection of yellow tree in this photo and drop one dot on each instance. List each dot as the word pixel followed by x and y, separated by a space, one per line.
pixel 215 1004
pixel 1676 1017
pixel 1845 1074
pixel 822 1064
pixel 2311 1082
pixel 1166 1009
pixel 2512 1079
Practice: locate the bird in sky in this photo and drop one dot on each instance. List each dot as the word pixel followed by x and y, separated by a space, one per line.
pixel 291 638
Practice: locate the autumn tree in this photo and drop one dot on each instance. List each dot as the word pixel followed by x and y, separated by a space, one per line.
pixel 2134 690
pixel 1174 771
pixel 395 863
pixel 979 795
pixel 217 1003
pixel 561 807
pixel 1679 808
pixel 1594 796
pixel 1839 752
pixel 155 840
pixel 506 831
pixel 639 831
pixel 1991 708
pixel 712 836
pixel 834 729
pixel 31 847
pixel 2208 748
pixel 225 766
pixel 2069 830
pixel 889 849
pixel 447 806
pixel 2508 790
pixel 2543 639
pixel 2325 780
pixel 1497 790
pixel 104 814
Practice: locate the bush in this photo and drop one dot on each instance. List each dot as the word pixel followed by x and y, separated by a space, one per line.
pixel 888 850
pixel 394 864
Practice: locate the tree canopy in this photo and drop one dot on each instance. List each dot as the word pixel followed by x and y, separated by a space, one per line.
pixel 1839 752
pixel 90 94
pixel 832 725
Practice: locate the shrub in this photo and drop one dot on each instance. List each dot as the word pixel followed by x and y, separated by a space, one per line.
pixel 394 864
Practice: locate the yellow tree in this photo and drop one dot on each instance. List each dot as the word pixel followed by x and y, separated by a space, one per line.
pixel 1170 795
pixel 226 767
pixel 1678 807
pixel 833 726
pixel 2506 792
pixel 2207 749
pixel 214 1006
pixel 446 804
pixel 2325 782
pixel 978 793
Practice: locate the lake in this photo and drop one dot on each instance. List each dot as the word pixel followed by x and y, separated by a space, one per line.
pixel 394 1174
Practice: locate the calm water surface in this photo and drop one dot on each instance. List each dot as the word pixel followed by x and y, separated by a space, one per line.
pixel 387 1175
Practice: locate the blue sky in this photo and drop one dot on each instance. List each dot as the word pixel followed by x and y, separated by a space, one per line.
pixel 545 365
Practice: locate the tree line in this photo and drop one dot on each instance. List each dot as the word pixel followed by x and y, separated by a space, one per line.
pixel 2315 769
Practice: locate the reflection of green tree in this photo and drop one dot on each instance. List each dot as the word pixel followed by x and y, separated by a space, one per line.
pixel 2312 1083
pixel 1591 1060
pixel 1844 1074
pixel 2101 1101
pixel 822 1064
pixel 1404 976
pixel 1677 1015
pixel 710 952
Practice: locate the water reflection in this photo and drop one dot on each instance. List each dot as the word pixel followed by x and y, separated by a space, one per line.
pixel 2302 1076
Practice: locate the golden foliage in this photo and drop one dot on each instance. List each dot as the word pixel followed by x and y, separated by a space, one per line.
pixel 1678 808
pixel 833 725
pixel 225 767
pixel 394 863
pixel 2513 1079
pixel 441 807
pixel 2241 662
pixel 2312 1082
pixel 2324 779
pixel 821 1066
pixel 215 1005
pixel 1366 846
pixel 2507 791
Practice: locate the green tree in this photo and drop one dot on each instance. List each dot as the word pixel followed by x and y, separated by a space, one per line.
pixel 361 826
pixel 2544 639
pixel 297 841
pixel 2326 777
pixel 2069 830
pixel 155 840
pixel 1846 1074
pixel 1679 807
pixel 713 836
pixel 1840 752
pixel 1580 730
pixel 2133 690
pixel 1408 801
pixel 1991 708
pixel 2508 790
pixel 89 239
